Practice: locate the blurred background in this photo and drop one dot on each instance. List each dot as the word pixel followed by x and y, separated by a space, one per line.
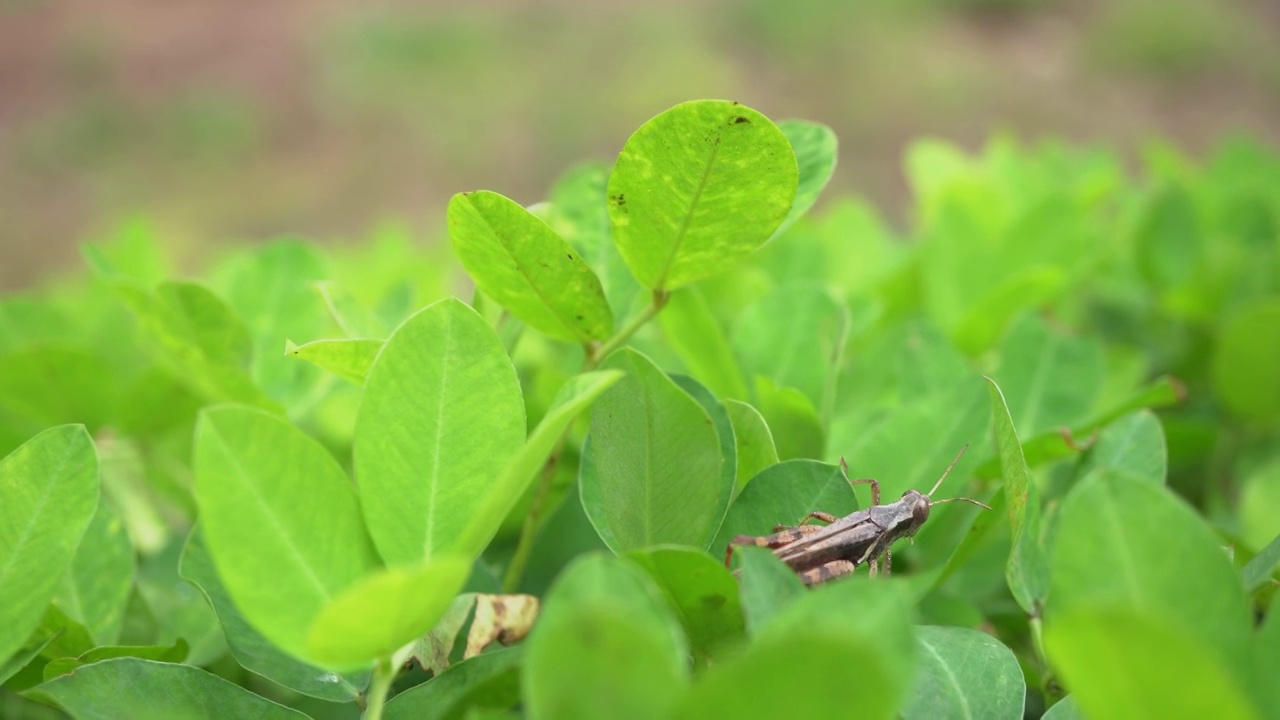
pixel 236 120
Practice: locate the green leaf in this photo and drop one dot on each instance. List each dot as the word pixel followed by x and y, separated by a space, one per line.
pixel 697 339
pixel 724 431
pixel 1027 570
pixel 1136 568
pixel 792 418
pixel 1258 571
pixel 148 690
pixel 696 189
pixel 575 396
pixel 652 471
pixel 794 336
pixel 348 359
pixel 1245 374
pixel 1118 661
pixel 1259 495
pixel 254 651
pixel 580 215
pixel 1064 709
pixel 965 674
pixel 96 587
pixel 519 261
pixel 273 291
pixel 385 611
pixel 755 448
pixel 280 520
pixel 162 653
pixel 176 610
pixel 865 655
pixel 422 462
pixel 1050 380
pixel 1265 664
pixel 768 586
pixel 50 383
pixel 703 595
pixel 49 491
pixel 815 147
pixel 491 680
pixel 1168 240
pixel 783 494
pixel 357 321
pixel 604 641
pixel 1134 446
pixel 11 667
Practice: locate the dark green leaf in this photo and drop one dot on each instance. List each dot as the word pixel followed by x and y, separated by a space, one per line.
pixel 1134 445
pixel 754 441
pixel 784 494
pixel 965 674
pixel 1050 380
pixel 768 586
pixel 795 337
pixel 161 653
pixel 703 595
pixel 491 680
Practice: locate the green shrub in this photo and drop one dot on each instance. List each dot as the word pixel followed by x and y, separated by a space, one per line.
pixel 663 356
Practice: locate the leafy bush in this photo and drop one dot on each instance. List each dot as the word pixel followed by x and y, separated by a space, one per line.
pixel 663 356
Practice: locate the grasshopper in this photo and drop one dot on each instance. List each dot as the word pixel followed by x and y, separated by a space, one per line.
pixel 820 553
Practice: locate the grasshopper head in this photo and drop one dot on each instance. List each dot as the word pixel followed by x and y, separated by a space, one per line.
pixel 918 503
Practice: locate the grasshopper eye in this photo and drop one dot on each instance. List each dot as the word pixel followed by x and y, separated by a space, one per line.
pixel 920 513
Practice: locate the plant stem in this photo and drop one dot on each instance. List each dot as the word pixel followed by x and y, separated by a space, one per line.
pixel 618 340
pixel 519 560
pixel 379 685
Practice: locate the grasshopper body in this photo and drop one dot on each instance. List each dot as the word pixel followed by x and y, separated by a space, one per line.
pixel 819 553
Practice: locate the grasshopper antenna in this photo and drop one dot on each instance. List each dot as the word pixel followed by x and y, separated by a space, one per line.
pixel 949 467
pixel 968 500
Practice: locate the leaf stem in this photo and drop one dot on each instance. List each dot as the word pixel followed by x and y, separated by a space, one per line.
pixel 594 354
pixel 379 685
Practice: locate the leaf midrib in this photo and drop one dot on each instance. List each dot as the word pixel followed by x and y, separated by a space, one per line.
pixel 34 518
pixel 951 677
pixel 688 216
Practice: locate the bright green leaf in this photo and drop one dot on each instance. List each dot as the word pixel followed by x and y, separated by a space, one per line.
pixel 523 264
pixel 652 471
pixel 348 359
pixel 280 520
pixel 49 492
pixel 357 321
pixel 384 612
pixel 442 414
pixel 254 651
pixel 95 588
pixel 696 189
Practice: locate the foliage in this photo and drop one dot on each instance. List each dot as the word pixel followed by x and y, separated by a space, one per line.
pixel 662 357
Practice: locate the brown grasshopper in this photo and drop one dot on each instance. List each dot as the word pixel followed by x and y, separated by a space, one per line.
pixel 819 553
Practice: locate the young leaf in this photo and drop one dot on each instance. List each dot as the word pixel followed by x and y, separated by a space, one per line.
pixel 150 690
pixel 605 641
pixel 965 673
pixel 783 494
pixel 815 148
pixel 489 681
pixel 652 471
pixel 384 611
pixel 96 587
pixel 794 336
pixel 755 448
pixel 280 520
pixel 529 269
pixel 703 595
pixel 696 189
pixel 696 337
pixel 251 649
pixel 348 359
pixel 1027 570
pixel 442 413
pixel 49 491
pixel 768 586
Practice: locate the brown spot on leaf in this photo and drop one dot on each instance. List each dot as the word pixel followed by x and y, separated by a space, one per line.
pixel 505 618
pixel 739 120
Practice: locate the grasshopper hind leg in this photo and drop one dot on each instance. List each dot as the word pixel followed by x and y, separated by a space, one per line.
pixel 823 573
pixel 783 537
